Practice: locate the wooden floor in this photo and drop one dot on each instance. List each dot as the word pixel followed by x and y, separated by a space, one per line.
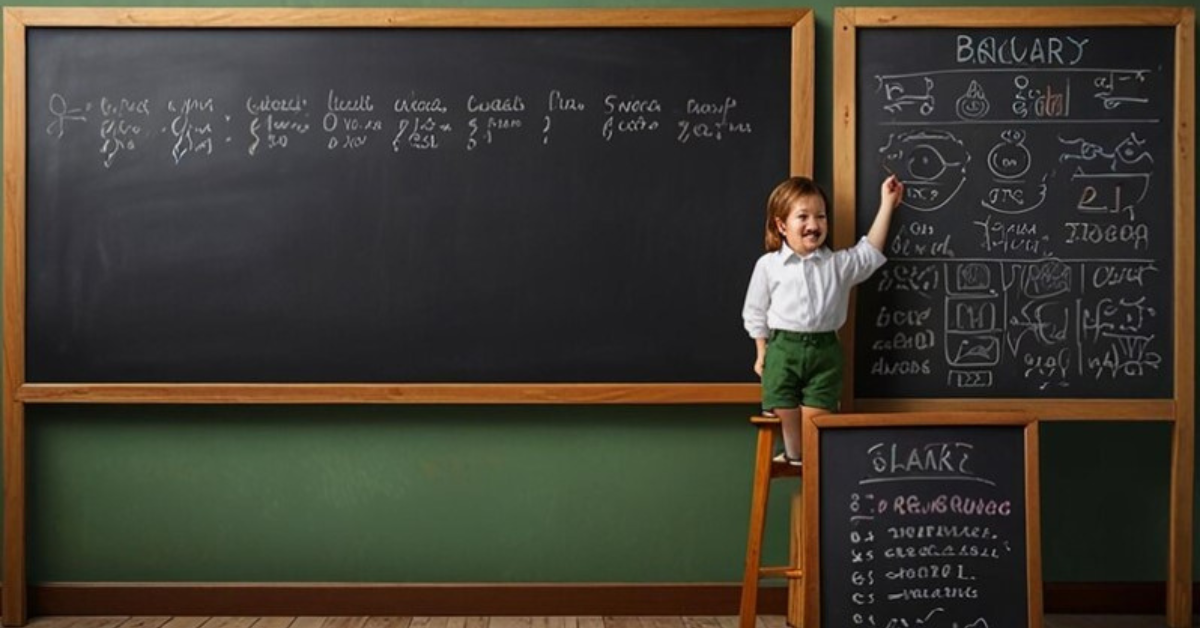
pixel 1051 621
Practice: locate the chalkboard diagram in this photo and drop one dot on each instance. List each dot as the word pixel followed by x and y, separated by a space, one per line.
pixel 1033 255
pixel 922 521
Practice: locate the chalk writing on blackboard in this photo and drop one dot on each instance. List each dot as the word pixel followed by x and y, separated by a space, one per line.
pixel 1035 241
pixel 195 127
pixel 923 529
pixel 192 127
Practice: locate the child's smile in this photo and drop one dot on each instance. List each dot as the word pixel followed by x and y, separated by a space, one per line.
pixel 806 226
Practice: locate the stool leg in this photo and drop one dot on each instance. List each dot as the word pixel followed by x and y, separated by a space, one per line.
pixel 795 610
pixel 758 521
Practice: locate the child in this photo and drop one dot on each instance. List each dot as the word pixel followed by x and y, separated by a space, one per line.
pixel 797 300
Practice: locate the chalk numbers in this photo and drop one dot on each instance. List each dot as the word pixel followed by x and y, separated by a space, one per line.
pixel 862 558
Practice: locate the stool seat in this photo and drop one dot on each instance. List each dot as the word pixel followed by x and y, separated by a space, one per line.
pixel 765 470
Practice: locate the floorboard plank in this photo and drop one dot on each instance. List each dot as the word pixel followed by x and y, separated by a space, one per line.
pixel 146 622
pixel 389 622
pixel 589 621
pixel 661 622
pixel 98 621
pixel 553 622
pixel 308 622
pixel 229 622
pixel 771 621
pixel 185 622
pixel 53 621
pixel 622 622
pixel 270 622
pixel 692 621
pixel 510 622
pixel 345 622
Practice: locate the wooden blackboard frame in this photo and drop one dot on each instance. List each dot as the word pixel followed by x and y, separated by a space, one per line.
pixel 812 492
pixel 1178 409
pixel 17 391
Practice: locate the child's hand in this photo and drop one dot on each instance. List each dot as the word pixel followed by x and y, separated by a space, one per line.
pixel 890 195
pixel 758 366
pixel 891 192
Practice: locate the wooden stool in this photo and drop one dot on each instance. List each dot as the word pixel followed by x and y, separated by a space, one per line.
pixel 766 470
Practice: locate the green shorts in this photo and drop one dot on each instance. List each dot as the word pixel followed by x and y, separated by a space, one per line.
pixel 802 369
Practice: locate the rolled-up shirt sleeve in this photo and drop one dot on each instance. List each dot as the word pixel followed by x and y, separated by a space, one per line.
pixel 758 299
pixel 860 261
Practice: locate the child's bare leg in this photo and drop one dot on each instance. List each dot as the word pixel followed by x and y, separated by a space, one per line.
pixel 809 413
pixel 789 421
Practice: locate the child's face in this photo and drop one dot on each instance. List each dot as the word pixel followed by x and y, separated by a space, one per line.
pixel 806 225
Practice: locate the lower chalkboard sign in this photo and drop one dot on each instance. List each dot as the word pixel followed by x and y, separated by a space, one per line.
pixel 922 521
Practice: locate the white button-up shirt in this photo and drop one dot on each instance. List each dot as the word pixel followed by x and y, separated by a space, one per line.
pixel 806 293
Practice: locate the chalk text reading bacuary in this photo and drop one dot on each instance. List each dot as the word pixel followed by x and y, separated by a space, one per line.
pixel 1016 50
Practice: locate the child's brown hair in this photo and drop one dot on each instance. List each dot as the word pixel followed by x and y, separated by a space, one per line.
pixel 780 203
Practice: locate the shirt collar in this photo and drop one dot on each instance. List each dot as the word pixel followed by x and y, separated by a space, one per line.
pixel 786 254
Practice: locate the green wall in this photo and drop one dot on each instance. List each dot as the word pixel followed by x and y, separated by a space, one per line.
pixel 431 493
pixel 456 493
pixel 496 493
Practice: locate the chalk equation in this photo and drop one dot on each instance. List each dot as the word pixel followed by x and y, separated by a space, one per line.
pixel 193 126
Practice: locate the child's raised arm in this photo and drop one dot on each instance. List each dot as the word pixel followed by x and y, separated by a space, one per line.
pixel 890 195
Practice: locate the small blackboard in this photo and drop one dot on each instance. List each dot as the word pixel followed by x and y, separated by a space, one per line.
pixel 379 205
pixel 1033 255
pixel 922 521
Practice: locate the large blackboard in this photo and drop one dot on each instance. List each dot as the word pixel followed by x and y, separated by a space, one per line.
pixel 925 526
pixel 398 205
pixel 1033 254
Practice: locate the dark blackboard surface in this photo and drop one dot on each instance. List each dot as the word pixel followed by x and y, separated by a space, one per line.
pixel 923 527
pixel 375 205
pixel 1033 254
